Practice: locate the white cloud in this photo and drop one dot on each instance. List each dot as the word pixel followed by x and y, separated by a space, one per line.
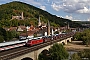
pixel 43 7
pixel 76 20
pixel 60 16
pixel 72 6
pixel 48 0
pixel 88 19
pixel 84 10
pixel 56 7
pixel 71 18
pixel 68 17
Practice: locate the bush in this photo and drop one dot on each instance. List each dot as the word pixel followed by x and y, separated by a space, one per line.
pixel 1 39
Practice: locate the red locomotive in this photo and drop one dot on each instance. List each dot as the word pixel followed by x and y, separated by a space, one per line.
pixel 34 41
pixel 43 39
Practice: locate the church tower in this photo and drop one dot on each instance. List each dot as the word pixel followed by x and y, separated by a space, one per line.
pixel 48 28
pixel 22 16
pixel 39 22
pixel 68 26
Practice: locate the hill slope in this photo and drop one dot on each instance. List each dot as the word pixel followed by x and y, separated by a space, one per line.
pixel 31 13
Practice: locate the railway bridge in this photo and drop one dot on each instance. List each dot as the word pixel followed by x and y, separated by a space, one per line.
pixel 31 52
pixel 34 54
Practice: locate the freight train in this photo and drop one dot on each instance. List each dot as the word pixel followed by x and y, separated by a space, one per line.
pixel 32 41
pixel 44 39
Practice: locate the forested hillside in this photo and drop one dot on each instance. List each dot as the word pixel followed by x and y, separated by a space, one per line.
pixel 31 15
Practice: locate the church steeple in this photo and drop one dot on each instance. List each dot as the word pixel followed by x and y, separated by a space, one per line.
pixel 48 28
pixel 22 16
pixel 39 22
pixel 68 26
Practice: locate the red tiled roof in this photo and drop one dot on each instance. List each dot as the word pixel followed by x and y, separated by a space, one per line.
pixel 23 27
pixel 29 33
pixel 12 28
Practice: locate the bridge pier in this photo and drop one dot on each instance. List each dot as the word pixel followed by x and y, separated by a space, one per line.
pixel 66 42
pixel 35 55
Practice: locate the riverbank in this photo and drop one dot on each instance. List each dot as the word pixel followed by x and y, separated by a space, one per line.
pixel 76 46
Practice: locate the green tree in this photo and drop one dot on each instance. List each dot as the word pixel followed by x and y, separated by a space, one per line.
pixel 58 52
pixel 9 36
pixel 44 55
pixel 1 39
pixel 86 37
pixel 82 54
pixel 2 34
pixel 14 22
pixel 85 54
pixel 83 36
pixel 14 34
pixel 75 57
pixel 77 36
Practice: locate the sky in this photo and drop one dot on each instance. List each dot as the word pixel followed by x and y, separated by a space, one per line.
pixel 75 10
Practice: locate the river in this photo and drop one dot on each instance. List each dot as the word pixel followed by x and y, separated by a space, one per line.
pixel 71 53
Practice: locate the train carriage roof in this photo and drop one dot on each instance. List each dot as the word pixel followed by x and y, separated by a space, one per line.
pixel 11 43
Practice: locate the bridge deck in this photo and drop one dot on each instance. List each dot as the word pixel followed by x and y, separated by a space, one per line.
pixel 7 55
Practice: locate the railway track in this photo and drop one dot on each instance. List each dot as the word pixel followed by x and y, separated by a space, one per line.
pixel 7 55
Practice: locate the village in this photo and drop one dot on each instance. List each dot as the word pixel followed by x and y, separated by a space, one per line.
pixel 42 29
